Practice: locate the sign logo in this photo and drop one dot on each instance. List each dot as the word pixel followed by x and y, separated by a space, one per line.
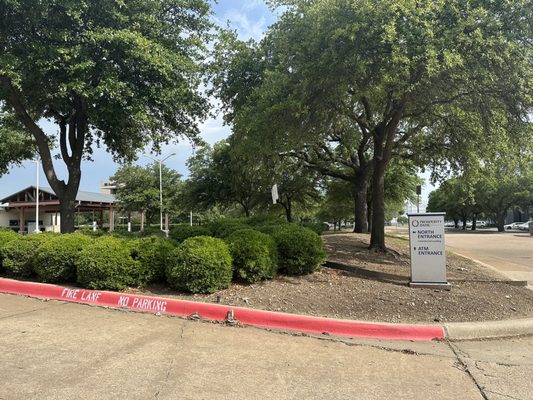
pixel 415 223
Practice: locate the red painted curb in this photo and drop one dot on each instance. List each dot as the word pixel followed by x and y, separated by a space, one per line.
pixel 263 319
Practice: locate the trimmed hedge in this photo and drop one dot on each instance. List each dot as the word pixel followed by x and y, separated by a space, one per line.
pixel 181 232
pixel 300 250
pixel 262 220
pixel 19 254
pixel 107 264
pixel 201 264
pixel 222 228
pixel 6 236
pixel 254 255
pixel 56 258
pixel 154 254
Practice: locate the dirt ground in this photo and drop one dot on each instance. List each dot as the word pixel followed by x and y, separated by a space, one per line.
pixel 357 284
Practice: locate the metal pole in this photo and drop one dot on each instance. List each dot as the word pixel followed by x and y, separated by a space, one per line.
pixel 37 230
pixel 160 161
pixel 191 217
pixel 161 192
pixel 418 204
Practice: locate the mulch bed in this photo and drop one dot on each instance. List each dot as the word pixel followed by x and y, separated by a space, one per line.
pixel 362 285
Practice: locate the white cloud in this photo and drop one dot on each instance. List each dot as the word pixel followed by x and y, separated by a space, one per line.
pixel 245 26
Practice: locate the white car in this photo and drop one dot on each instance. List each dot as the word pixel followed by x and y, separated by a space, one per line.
pixel 524 226
pixel 513 226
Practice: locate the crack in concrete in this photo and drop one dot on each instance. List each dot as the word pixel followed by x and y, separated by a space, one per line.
pixel 171 364
pixel 34 310
pixel 463 364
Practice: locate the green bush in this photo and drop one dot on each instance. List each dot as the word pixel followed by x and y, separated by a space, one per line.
pixel 6 236
pixel 152 231
pixel 89 232
pixel 123 234
pixel 201 265
pixel 224 227
pixel 254 255
pixel 55 259
pixel 154 254
pixel 262 220
pixel 107 264
pixel 300 250
pixel 318 227
pixel 271 229
pixel 182 232
pixel 19 254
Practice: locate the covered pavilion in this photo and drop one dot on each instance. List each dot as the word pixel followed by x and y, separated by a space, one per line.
pixel 19 208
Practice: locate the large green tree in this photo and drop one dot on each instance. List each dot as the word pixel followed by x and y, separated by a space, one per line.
pixel 123 74
pixel 400 71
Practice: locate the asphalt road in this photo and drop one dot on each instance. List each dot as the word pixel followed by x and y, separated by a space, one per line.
pixel 57 350
pixel 511 253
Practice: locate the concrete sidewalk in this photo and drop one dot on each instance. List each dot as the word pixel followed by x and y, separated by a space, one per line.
pixel 57 350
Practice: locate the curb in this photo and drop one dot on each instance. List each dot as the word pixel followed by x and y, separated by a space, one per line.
pixel 216 312
pixel 488 330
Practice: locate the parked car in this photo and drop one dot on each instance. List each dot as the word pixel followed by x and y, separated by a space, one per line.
pixel 513 226
pixel 523 227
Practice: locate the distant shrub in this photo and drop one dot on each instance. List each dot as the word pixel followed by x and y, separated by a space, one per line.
pixel 182 232
pixel 122 234
pixel 55 259
pixel 89 232
pixel 201 265
pixel 107 264
pixel 262 220
pixel 300 250
pixel 152 231
pixel 318 227
pixel 154 254
pixel 224 227
pixel 6 236
pixel 19 254
pixel 254 255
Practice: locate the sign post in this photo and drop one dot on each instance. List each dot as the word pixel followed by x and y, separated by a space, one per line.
pixel 428 252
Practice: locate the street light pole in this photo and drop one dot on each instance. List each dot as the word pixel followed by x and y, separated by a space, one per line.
pixel 160 162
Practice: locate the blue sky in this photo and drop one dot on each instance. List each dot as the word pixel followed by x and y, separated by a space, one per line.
pixel 250 18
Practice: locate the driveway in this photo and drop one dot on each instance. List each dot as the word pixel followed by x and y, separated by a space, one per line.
pixel 508 252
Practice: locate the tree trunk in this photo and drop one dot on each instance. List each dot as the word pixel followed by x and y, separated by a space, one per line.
pixel 142 221
pixel 456 223
pixel 377 239
pixel 464 223
pixel 288 210
pixel 500 221
pixel 474 221
pixel 67 210
pixel 361 211
pixel 369 215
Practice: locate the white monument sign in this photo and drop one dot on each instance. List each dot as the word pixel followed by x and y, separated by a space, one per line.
pixel 428 253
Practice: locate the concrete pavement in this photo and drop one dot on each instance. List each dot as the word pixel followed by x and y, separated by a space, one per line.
pixel 57 350
pixel 510 253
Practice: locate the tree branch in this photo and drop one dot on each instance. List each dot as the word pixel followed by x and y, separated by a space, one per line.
pixel 14 100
